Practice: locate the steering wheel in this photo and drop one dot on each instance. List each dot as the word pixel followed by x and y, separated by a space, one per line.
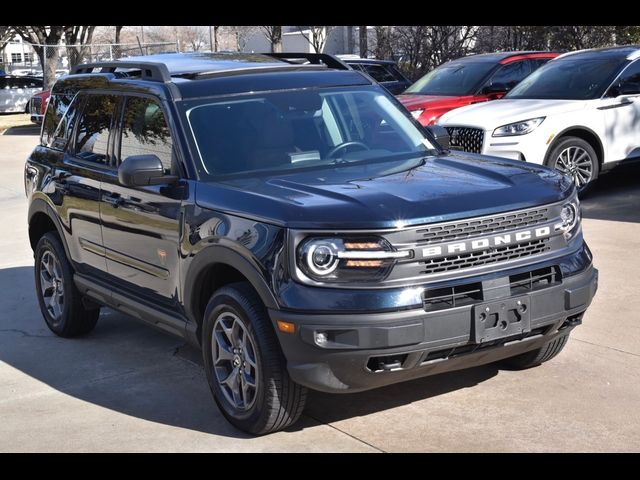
pixel 344 145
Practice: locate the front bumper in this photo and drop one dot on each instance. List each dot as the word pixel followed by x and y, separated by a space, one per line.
pixel 365 351
pixel 531 147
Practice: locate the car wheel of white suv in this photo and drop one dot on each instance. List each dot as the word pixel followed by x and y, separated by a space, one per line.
pixel 575 157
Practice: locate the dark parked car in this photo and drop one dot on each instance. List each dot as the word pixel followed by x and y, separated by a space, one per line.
pixel 297 224
pixel 385 72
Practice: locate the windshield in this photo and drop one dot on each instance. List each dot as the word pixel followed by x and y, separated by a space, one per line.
pixel 302 128
pixel 569 79
pixel 456 79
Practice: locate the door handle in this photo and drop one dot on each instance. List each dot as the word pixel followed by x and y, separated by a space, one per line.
pixel 115 200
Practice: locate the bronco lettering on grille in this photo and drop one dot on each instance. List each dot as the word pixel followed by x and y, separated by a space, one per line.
pixel 488 242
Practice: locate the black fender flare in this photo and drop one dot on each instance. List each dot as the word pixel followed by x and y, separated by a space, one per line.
pixel 39 205
pixel 226 253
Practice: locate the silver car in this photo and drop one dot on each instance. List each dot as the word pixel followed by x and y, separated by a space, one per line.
pixel 15 92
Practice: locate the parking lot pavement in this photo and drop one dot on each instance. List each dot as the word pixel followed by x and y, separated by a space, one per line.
pixel 127 387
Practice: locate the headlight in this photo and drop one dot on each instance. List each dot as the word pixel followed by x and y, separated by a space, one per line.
pixel 337 260
pixel 416 113
pixel 569 218
pixel 518 128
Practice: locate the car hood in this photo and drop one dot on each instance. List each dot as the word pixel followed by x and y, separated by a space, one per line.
pixel 414 102
pixel 387 194
pixel 494 114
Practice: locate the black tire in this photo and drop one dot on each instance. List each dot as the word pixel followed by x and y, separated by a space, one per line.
pixel 277 401
pixel 578 143
pixel 74 319
pixel 536 357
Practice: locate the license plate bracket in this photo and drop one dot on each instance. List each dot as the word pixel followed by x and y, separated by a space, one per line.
pixel 501 318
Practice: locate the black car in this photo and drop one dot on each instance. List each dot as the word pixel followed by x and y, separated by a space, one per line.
pixel 385 72
pixel 297 224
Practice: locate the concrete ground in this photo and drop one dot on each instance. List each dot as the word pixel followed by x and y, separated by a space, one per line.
pixel 127 387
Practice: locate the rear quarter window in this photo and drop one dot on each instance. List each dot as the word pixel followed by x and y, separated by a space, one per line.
pixel 55 129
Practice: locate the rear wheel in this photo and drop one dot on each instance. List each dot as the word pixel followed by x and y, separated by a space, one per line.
pixel 536 357
pixel 245 367
pixel 576 158
pixel 60 301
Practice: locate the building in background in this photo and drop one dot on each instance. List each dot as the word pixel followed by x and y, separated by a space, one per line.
pixel 19 57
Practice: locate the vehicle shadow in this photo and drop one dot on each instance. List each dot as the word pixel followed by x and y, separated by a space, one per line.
pixel 133 369
pixel 615 196
pixel 23 130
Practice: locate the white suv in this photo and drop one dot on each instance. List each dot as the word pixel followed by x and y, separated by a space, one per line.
pixel 580 113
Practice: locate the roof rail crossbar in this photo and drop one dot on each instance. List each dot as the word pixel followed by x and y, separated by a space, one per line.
pixel 156 72
pixel 315 58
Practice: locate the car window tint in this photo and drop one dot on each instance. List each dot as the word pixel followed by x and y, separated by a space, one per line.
pixel 511 74
pixel 631 75
pixel 379 73
pixel 58 121
pixel 537 62
pixel 92 136
pixel 145 131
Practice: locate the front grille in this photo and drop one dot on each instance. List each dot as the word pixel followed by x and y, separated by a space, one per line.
pixel 467 139
pixel 35 105
pixel 482 226
pixel 484 257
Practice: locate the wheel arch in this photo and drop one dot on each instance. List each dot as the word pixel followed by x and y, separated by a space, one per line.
pixel 586 134
pixel 213 268
pixel 42 219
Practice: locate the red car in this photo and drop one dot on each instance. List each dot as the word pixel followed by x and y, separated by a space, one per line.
pixel 38 105
pixel 467 80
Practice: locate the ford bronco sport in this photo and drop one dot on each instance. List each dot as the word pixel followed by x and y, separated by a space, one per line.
pixel 296 223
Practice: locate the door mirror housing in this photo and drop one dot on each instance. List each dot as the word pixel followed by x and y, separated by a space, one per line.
pixel 441 136
pixel 495 88
pixel 143 170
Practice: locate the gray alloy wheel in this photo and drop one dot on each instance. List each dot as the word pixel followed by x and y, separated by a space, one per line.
pixel 234 361
pixel 577 163
pixel 52 284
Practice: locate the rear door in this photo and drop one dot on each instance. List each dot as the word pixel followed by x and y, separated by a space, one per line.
pixel 87 161
pixel 141 225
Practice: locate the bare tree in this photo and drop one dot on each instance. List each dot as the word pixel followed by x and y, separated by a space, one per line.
pixel 118 31
pixel 364 39
pixel 242 34
pixel 274 35
pixel 44 40
pixel 78 40
pixel 316 36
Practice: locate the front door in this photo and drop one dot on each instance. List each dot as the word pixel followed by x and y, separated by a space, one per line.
pixel 622 115
pixel 141 225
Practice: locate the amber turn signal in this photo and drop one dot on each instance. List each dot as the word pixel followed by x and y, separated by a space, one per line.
pixel 286 327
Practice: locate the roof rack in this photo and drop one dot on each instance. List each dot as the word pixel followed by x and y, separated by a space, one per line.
pixel 155 72
pixel 315 58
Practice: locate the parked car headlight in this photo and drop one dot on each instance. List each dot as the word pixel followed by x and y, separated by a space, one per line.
pixel 416 113
pixel 340 260
pixel 518 128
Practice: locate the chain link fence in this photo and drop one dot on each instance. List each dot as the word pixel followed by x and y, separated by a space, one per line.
pixel 59 59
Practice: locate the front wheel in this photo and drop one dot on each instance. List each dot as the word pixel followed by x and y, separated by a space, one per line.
pixel 245 367
pixel 576 158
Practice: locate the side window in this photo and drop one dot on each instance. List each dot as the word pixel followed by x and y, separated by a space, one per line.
pixel 92 135
pixel 145 131
pixel 511 74
pixel 379 73
pixel 32 83
pixel 536 63
pixel 630 79
pixel 58 120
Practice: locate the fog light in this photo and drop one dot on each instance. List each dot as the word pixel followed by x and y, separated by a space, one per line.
pixel 321 338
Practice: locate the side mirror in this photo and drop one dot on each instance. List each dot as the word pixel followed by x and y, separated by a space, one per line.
pixel 141 170
pixel 495 88
pixel 441 135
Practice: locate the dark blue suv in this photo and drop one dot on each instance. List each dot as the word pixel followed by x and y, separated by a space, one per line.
pixel 297 224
